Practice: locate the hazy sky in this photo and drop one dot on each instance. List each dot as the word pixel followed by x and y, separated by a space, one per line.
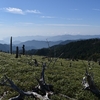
pixel 49 17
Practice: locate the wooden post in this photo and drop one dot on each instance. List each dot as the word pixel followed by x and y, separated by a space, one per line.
pixel 11 45
pixel 23 47
pixel 17 52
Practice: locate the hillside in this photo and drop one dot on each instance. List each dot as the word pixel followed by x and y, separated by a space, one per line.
pixel 4 47
pixel 32 44
pixel 82 49
pixel 66 79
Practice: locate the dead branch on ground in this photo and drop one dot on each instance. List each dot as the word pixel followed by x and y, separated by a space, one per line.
pixel 41 91
pixel 42 85
pixel 88 84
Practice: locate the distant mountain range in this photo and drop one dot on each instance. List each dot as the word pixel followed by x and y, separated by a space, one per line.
pixel 38 42
pixel 4 47
pixel 3 42
pixel 32 44
pixel 17 40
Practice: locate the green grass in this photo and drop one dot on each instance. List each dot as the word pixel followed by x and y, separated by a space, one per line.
pixel 66 80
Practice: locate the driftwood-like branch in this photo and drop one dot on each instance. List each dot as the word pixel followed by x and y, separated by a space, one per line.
pixel 67 97
pixel 43 87
pixel 3 95
pixel 88 84
pixel 7 82
pixel 42 79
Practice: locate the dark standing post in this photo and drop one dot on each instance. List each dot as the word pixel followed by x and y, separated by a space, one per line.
pixel 70 64
pixel 23 49
pixel 89 63
pixel 11 45
pixel 99 62
pixel 35 62
pixel 17 52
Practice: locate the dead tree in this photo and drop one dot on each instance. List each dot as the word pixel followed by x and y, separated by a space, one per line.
pixel 11 45
pixel 7 82
pixel 23 48
pixel 3 95
pixel 89 63
pixel 17 50
pixel 61 63
pixel 88 84
pixel 99 62
pixel 42 86
pixel 35 62
pixel 70 64
pixel 42 91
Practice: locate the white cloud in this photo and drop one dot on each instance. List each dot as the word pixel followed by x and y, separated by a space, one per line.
pixel 57 25
pixel 33 11
pixel 24 23
pixel 74 9
pixel 14 10
pixel 47 17
pixel 74 19
pixel 96 9
pixel 67 24
pixel 20 11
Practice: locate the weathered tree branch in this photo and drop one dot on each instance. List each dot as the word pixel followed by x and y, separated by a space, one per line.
pixel 7 82
pixel 3 95
pixel 43 87
pixel 67 97
pixel 88 84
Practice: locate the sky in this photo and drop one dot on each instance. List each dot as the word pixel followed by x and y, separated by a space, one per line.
pixel 49 17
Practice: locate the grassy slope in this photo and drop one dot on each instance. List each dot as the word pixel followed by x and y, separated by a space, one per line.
pixel 66 80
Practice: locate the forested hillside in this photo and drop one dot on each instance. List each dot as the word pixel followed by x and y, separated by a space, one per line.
pixel 82 49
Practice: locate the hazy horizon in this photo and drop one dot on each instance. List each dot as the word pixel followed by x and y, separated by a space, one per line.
pixel 51 35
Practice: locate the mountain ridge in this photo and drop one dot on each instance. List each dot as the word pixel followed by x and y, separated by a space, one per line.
pixel 80 49
pixel 50 38
pixel 38 44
